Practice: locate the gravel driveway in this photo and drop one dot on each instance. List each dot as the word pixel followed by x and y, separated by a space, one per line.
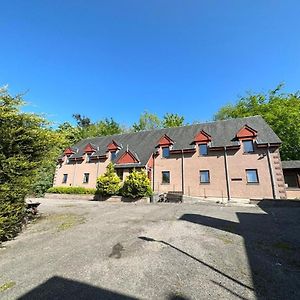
pixel 93 250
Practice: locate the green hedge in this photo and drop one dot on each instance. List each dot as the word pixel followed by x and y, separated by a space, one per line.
pixel 11 218
pixel 71 190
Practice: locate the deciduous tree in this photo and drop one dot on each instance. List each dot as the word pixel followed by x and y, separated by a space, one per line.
pixel 280 110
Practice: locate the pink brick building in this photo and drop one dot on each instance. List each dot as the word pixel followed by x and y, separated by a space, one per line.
pixel 237 158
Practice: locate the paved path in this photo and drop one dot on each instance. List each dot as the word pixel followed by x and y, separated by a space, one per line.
pixel 91 250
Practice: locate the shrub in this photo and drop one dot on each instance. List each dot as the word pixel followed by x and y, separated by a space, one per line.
pixel 109 183
pixel 26 140
pixel 71 190
pixel 136 185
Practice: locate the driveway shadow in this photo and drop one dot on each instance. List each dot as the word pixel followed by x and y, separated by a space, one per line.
pixel 59 288
pixel 272 241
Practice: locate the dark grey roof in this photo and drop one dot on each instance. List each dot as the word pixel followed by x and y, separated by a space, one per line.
pixel 291 164
pixel 143 143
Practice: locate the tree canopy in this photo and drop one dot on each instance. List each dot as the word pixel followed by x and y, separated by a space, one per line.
pixel 26 140
pixel 280 110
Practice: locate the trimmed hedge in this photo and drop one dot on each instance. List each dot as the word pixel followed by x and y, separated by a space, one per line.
pixel 71 190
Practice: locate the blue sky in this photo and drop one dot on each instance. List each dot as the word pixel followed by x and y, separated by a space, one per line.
pixel 120 58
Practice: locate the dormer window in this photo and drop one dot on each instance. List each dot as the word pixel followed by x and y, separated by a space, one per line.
pixel 88 157
pixel 248 146
pixel 203 150
pixel 165 152
pixel 113 155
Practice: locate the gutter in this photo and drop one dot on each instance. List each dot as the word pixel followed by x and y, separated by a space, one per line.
pixel 182 172
pixel 271 172
pixel 226 174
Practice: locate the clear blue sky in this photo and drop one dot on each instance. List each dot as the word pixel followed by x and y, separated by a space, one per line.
pixel 120 58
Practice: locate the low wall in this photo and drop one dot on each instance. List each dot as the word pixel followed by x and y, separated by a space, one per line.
pixel 95 198
pixel 293 193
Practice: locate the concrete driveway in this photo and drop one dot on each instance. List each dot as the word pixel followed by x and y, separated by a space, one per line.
pixel 92 250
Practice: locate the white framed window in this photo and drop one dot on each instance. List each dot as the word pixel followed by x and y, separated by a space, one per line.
pixel 165 177
pixel 248 146
pixel 65 178
pixel 86 177
pixel 252 176
pixel 204 176
pixel 203 149
pixel 165 152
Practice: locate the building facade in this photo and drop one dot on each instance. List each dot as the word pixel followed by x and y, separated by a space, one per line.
pixel 291 173
pixel 237 158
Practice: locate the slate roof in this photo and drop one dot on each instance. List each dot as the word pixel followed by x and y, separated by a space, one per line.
pixel 291 164
pixel 143 143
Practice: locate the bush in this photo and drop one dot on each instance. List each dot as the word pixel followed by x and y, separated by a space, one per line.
pixel 71 190
pixel 109 183
pixel 136 185
pixel 26 140
pixel 11 219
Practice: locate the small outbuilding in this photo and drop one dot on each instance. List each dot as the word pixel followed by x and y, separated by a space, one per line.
pixel 291 173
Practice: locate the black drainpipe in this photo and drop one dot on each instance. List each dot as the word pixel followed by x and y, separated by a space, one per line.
pixel 271 172
pixel 182 173
pixel 226 174
pixel 153 156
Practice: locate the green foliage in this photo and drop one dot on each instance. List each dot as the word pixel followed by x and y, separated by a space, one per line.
pixel 102 128
pixel 67 135
pixel 136 185
pixel 280 110
pixel 25 141
pixel 147 121
pixel 172 120
pixel 71 190
pixel 109 183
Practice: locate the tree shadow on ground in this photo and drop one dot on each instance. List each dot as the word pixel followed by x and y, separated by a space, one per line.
pixel 272 242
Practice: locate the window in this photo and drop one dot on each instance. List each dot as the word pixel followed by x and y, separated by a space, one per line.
pixel 67 159
pixel 248 146
pixel 202 149
pixel 113 155
pixel 165 177
pixel 165 152
pixel 291 180
pixel 252 176
pixel 88 158
pixel 204 176
pixel 86 177
pixel 65 178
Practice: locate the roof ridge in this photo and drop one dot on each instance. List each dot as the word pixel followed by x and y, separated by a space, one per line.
pixel 162 129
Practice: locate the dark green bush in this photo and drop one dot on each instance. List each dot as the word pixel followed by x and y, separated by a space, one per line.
pixel 25 141
pixel 71 190
pixel 136 185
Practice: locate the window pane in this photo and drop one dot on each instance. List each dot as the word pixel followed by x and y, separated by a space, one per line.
pixel 113 155
pixel 86 177
pixel 165 152
pixel 203 149
pixel 204 176
pixel 291 180
pixel 252 176
pixel 165 177
pixel 248 146
pixel 65 178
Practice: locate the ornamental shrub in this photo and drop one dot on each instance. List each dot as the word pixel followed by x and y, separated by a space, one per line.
pixel 136 185
pixel 109 183
pixel 71 190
